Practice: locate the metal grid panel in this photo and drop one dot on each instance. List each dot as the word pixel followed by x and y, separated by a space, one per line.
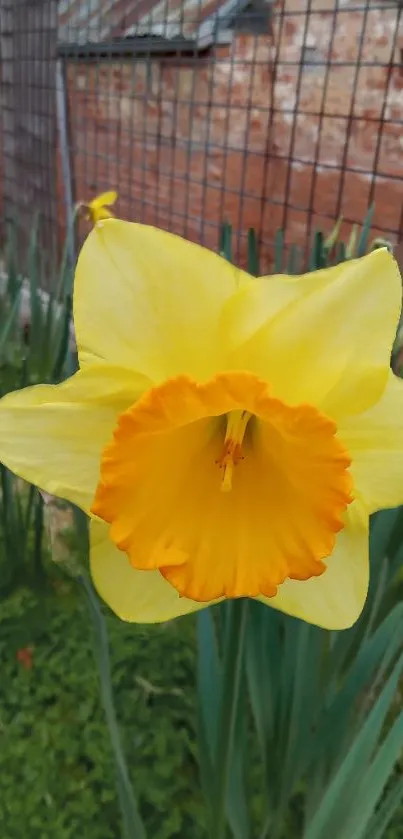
pixel 28 38
pixel 224 112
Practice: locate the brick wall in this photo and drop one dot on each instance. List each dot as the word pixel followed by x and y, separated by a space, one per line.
pixel 348 117
pixel 181 141
pixel 190 142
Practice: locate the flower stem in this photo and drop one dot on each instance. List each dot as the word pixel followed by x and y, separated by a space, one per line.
pixel 232 673
pixel 132 825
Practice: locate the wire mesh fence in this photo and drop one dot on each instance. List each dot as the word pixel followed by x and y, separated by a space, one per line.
pixel 263 114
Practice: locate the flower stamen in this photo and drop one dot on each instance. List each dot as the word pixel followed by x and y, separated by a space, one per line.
pixel 232 452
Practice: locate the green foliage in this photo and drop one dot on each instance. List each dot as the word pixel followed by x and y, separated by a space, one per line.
pixel 328 731
pixel 34 325
pixel 56 768
pixel 324 250
pixel 34 345
pixel 335 250
pixel 133 827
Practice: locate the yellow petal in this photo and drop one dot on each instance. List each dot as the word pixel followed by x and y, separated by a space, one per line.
pixel 136 596
pixel 335 599
pixel 53 435
pixel 150 300
pixel 375 443
pixel 324 338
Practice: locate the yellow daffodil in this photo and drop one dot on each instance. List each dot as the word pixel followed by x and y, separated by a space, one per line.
pixel 98 209
pixel 229 436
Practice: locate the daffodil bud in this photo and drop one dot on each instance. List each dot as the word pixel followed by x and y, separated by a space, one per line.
pixel 97 210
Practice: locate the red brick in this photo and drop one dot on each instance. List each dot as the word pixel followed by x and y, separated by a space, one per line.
pixel 164 137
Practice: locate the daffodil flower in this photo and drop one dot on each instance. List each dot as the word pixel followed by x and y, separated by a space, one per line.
pixel 228 436
pixel 98 209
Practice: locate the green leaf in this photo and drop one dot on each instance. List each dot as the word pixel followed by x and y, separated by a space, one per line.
pixel 278 251
pixel 237 801
pixel 62 345
pixel 10 260
pixel 258 674
pixel 209 677
pixel 340 796
pixel 362 245
pixel 225 242
pixel 373 782
pixel 382 817
pixel 334 234
pixel 38 528
pixel 232 675
pixel 318 255
pixel 340 253
pixel 253 253
pixel 132 823
pixel 373 660
pixel 36 315
pixel 10 320
pixel 351 244
pixel 294 260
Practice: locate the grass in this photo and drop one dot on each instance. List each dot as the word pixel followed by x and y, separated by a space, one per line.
pixel 56 766
pixel 56 771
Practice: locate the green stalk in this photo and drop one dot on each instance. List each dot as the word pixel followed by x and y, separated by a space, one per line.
pixel 233 665
pixel 38 569
pixel 133 827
